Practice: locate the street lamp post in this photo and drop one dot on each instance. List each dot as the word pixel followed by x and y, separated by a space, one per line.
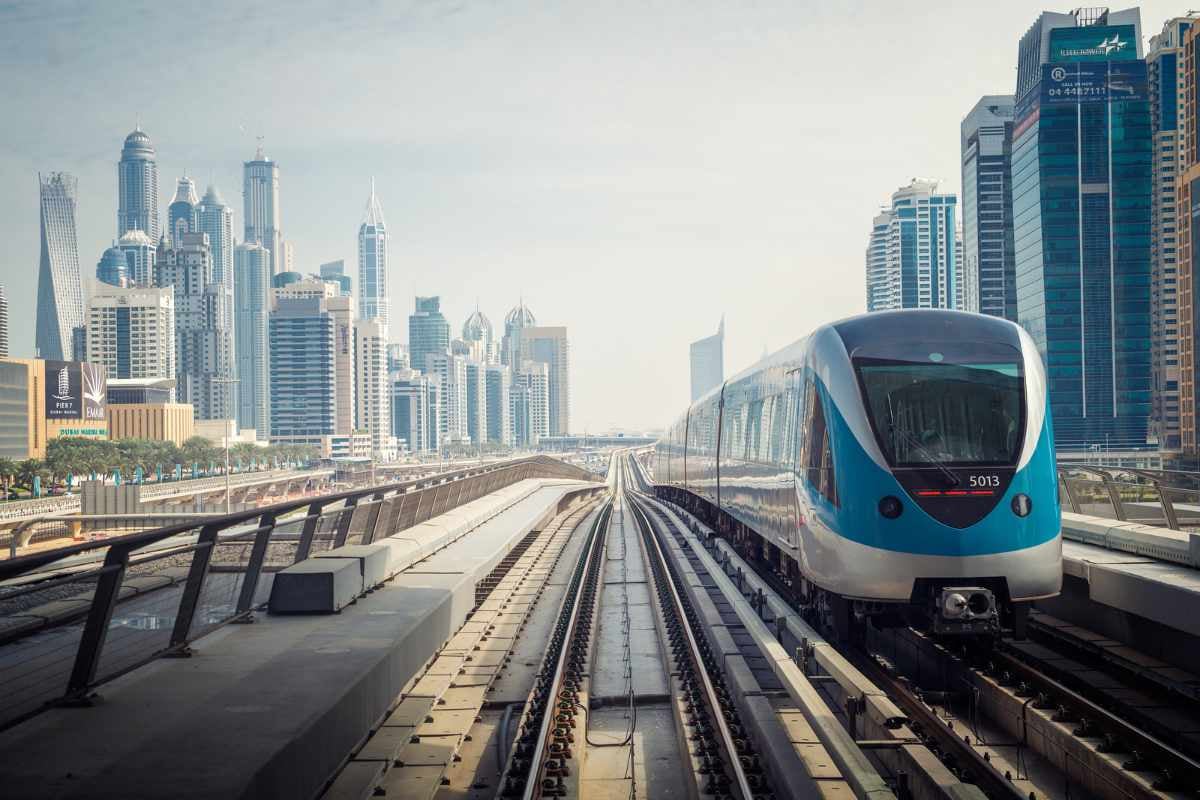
pixel 228 384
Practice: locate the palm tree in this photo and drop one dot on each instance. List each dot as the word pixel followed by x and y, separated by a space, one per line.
pixel 29 469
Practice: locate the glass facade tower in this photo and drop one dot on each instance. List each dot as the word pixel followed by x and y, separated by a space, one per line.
pixel 913 253
pixel 137 186
pixel 1081 210
pixel 372 263
pixel 60 290
pixel 989 275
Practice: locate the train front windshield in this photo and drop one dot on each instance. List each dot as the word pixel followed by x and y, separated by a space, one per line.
pixel 945 411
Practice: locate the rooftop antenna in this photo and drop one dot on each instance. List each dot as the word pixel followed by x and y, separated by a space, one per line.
pixel 258 153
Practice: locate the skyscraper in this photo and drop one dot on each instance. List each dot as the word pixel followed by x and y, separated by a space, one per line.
pixel 251 306
pixel 113 268
pixel 301 335
pixel 215 219
pixel 517 320
pixel 921 266
pixel 415 404
pixel 372 389
pixel 451 373
pixel 498 380
pixel 260 193
pixel 181 213
pixel 3 323
pixel 204 344
pixel 428 332
pixel 60 290
pixel 708 362
pixel 477 405
pixel 988 264
pixel 549 345
pixel 336 271
pixel 1166 74
pixel 139 253
pixel 137 187
pixel 372 263
pixel 530 401
pixel 883 286
pixel 1081 214
pixel 477 333
pixel 131 331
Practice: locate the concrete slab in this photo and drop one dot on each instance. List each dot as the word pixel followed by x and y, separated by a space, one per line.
pixel 316 586
pixel 373 561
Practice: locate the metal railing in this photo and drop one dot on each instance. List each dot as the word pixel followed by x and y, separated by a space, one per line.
pixel 75 617
pixel 1148 497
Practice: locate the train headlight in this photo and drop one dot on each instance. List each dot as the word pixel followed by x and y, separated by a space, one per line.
pixel 1022 505
pixel 891 507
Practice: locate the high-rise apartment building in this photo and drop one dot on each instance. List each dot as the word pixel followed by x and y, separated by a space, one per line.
pixel 137 187
pixel 181 213
pixel 373 301
pixel 60 289
pixel 498 387
pixel 131 331
pixel 3 323
pixel 215 219
pixel 530 400
pixel 203 329
pixel 1166 74
pixel 477 405
pixel 1081 167
pixel 372 389
pixel 515 323
pixel 548 345
pixel 989 253
pixel 707 361
pixel 301 341
pixel 478 335
pixel 140 253
pixel 883 286
pixel 260 194
pixel 415 403
pixel 428 332
pixel 451 372
pixel 1188 255
pixel 113 268
pixel 921 264
pixel 251 307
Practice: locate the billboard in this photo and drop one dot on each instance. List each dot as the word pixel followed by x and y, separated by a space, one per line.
pixel 75 391
pixel 1085 82
pixel 1094 43
pixel 64 390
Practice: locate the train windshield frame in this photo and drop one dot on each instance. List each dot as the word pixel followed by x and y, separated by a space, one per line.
pixel 938 405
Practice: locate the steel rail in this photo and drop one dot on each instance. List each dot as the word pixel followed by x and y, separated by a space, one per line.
pixel 710 695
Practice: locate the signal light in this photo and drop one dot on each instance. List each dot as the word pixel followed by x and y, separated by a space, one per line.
pixel 1022 505
pixel 891 507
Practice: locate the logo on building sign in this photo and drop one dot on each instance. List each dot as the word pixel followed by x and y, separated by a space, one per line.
pixel 63 390
pixel 95 387
pixel 1058 74
pixel 1093 43
pixel 1105 49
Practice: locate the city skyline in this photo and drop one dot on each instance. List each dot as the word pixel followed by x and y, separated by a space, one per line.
pixel 442 177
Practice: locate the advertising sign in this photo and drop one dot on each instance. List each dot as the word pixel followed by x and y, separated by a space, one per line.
pixel 95 387
pixel 1094 83
pixel 64 390
pixel 1094 43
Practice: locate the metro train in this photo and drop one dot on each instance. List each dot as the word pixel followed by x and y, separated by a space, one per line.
pixel 896 466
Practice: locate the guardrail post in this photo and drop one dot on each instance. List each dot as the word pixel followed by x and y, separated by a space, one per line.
pixel 309 531
pixel 343 528
pixel 201 557
pixel 95 629
pixel 1071 498
pixel 1168 507
pixel 258 554
pixel 1114 495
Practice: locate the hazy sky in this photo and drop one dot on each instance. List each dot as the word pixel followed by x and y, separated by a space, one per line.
pixel 633 169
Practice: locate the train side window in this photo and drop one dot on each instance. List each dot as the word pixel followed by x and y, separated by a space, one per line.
pixel 818 454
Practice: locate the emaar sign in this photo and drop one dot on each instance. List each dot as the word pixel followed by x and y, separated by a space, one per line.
pixel 1093 43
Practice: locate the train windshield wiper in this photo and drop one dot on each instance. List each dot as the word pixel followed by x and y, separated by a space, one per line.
pixel 930 458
